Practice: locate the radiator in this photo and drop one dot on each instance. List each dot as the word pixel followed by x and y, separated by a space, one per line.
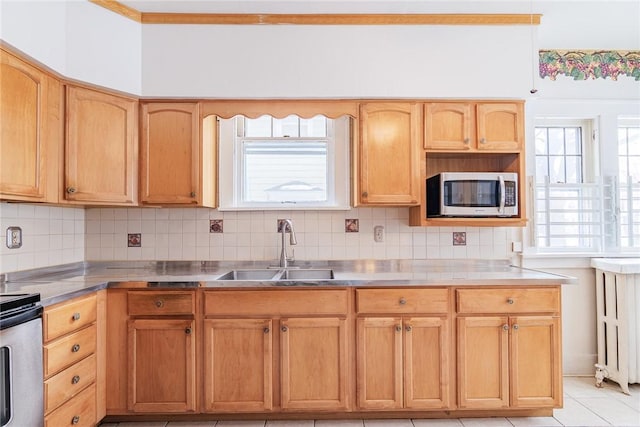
pixel 618 317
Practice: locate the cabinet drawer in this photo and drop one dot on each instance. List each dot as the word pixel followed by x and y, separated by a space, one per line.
pixel 402 300
pixel 513 300
pixel 273 303
pixel 78 412
pixel 66 351
pixel 61 319
pixel 61 387
pixel 144 303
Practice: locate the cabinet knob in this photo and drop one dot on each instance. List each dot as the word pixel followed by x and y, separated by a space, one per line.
pixel 398 328
pixel 75 420
pixel 516 327
pixel 365 194
pixel 483 141
pixel 76 316
pixel 187 331
pixel 75 379
pixel 505 327
pixel 266 330
pixel 402 301
pixel 75 348
pixel 510 301
pixel 159 303
pixel 408 328
pixel 192 194
pixel 71 190
pixel 284 329
pixel 467 140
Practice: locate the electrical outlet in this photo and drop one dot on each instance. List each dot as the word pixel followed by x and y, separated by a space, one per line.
pixel 14 237
pixel 378 233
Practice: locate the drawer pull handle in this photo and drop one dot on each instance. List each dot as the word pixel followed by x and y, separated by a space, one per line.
pixel 408 328
pixel 505 327
pixel 159 303
pixel 76 316
pixel 516 327
pixel 284 329
pixel 75 420
pixel 75 379
pixel 187 331
pixel 266 330
pixel 398 328
pixel 510 301
pixel 75 348
pixel 402 301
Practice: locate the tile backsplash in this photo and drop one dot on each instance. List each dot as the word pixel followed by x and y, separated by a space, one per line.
pixel 51 235
pixel 59 235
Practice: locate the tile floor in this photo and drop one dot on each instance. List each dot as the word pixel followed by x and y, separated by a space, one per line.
pixel 584 406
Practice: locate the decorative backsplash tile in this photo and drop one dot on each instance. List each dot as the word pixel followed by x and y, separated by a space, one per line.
pixel 351 225
pixel 590 64
pixel 134 240
pixel 215 226
pixel 459 238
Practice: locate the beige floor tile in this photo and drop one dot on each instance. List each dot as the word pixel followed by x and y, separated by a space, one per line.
pixel 485 422
pixel 534 421
pixel 339 423
pixel 388 423
pixel 454 422
pixel 613 411
pixel 575 414
pixel 289 423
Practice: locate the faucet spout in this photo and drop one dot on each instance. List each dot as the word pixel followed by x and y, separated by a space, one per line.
pixel 287 223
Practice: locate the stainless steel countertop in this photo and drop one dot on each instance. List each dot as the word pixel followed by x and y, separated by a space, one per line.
pixel 64 282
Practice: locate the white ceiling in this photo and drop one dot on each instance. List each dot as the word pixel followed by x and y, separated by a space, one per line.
pixel 347 6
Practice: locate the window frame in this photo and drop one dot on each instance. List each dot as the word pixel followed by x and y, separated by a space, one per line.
pixel 231 171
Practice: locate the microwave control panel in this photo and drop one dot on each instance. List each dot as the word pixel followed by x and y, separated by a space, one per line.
pixel 510 193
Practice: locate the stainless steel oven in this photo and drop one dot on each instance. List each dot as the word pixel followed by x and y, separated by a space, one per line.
pixel 21 395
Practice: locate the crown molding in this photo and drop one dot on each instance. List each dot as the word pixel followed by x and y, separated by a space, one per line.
pixel 318 19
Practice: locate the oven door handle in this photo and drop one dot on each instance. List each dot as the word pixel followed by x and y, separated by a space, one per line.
pixel 502 194
pixel 23 317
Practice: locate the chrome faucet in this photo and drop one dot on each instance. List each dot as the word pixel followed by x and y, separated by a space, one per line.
pixel 286 223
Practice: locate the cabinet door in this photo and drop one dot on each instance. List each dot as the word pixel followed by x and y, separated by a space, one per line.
pixel 313 354
pixel 30 132
pixel 389 169
pixel 536 363
pixel 161 365
pixel 500 126
pixel 379 363
pixel 238 365
pixel 426 363
pixel 101 148
pixel 447 126
pixel 170 154
pixel 483 362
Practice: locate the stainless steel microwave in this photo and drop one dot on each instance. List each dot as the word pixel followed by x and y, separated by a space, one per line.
pixel 472 194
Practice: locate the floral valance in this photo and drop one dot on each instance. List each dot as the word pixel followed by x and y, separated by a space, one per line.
pixel 590 64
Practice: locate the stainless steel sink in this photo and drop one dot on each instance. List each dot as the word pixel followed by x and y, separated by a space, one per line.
pixel 266 274
pixel 307 274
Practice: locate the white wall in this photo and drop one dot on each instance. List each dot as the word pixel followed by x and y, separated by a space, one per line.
pixel 77 39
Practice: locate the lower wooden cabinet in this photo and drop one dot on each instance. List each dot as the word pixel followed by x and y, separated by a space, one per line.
pixel 403 363
pixel 162 365
pixel 238 365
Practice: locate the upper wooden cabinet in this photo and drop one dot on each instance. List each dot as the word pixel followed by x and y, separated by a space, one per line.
pixel 30 132
pixel 481 126
pixel 389 159
pixel 178 154
pixel 101 148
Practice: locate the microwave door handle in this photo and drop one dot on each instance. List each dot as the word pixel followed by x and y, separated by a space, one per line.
pixel 502 194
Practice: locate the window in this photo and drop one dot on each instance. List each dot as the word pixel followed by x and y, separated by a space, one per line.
pixel 576 210
pixel 289 163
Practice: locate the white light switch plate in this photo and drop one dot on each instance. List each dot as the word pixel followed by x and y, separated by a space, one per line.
pixel 14 237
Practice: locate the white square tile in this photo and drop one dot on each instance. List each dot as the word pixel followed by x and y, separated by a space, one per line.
pixel 191 424
pixel 575 414
pixel 613 411
pixel 339 423
pixel 534 421
pixel 289 423
pixel 251 423
pixel 485 422
pixel 437 423
pixel 143 424
pixel 388 423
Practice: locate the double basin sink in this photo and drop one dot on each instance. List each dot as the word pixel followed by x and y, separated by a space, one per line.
pixel 270 274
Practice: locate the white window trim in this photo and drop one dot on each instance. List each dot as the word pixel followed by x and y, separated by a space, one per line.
pixel 230 169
